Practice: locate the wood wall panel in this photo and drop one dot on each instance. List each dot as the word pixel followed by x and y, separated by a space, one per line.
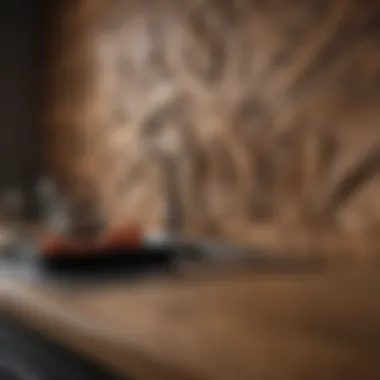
pixel 268 110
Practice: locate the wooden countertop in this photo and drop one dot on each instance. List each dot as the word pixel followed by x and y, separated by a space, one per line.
pixel 222 326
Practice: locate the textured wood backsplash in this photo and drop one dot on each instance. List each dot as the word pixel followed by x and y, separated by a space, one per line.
pixel 267 109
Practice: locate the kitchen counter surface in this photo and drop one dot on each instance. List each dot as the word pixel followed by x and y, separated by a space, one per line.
pixel 215 326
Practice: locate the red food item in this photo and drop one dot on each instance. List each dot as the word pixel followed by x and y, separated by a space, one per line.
pixel 56 245
pixel 123 235
pixel 118 236
pixel 53 244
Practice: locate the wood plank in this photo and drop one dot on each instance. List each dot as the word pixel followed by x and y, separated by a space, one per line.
pixel 216 327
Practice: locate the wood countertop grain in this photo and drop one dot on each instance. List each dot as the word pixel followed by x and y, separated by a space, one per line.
pixel 227 326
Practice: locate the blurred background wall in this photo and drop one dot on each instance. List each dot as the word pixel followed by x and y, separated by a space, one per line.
pixel 21 60
pixel 265 111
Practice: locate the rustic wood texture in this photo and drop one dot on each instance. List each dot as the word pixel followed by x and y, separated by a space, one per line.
pixel 268 110
pixel 215 327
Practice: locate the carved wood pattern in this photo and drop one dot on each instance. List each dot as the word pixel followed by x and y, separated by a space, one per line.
pixel 268 109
